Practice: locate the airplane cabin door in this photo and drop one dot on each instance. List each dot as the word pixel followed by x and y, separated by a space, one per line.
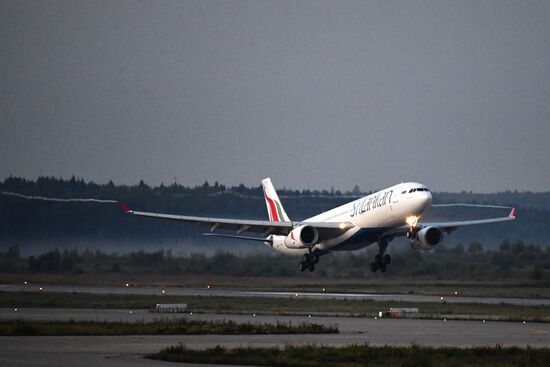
pixel 394 201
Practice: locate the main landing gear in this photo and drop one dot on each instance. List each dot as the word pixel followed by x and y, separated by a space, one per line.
pixel 309 261
pixel 381 260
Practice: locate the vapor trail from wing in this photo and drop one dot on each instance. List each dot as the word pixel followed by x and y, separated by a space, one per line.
pixel 473 205
pixel 28 197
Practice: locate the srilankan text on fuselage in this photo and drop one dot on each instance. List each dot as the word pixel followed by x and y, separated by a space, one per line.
pixel 371 202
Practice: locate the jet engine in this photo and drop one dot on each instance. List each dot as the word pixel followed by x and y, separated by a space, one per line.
pixel 427 238
pixel 302 237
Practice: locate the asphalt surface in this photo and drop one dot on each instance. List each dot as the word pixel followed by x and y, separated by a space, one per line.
pixel 129 350
pixel 359 329
pixel 241 293
pixel 84 351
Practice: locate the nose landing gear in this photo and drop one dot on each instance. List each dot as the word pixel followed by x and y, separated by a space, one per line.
pixel 381 260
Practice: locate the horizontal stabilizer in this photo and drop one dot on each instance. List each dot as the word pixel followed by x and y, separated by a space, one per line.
pixel 238 237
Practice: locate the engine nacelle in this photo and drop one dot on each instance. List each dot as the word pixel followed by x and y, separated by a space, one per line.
pixel 302 237
pixel 427 238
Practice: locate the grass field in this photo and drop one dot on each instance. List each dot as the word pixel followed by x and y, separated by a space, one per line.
pixel 355 356
pixel 161 327
pixel 294 305
pixel 525 288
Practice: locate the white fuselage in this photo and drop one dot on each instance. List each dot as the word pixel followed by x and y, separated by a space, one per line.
pixel 371 216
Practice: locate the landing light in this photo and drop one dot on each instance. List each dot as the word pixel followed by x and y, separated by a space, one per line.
pixel 411 220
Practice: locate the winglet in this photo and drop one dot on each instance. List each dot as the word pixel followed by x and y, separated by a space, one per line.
pixel 512 213
pixel 124 208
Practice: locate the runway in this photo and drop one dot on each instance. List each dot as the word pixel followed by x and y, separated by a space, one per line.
pixel 122 351
pixel 128 350
pixel 352 329
pixel 95 351
pixel 225 292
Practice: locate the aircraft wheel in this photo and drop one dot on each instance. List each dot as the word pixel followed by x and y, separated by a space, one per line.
pixel 302 266
pixel 387 259
pixel 314 259
pixel 311 267
pixel 378 259
pixel 374 267
pixel 382 268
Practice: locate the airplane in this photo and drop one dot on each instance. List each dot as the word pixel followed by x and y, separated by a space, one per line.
pixel 375 218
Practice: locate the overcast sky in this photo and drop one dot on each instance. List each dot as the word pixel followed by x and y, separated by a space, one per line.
pixel 314 94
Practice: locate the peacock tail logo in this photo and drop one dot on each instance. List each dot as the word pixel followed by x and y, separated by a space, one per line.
pixel 275 212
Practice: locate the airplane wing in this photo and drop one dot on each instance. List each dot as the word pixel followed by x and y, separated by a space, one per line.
pixel 450 226
pixel 327 230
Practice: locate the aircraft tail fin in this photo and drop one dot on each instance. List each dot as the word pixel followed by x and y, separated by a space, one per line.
pixel 275 209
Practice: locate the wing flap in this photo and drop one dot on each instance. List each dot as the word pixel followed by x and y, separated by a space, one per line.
pixel 242 225
pixel 267 240
pixel 327 230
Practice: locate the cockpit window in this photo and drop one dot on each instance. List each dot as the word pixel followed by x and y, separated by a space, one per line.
pixel 418 189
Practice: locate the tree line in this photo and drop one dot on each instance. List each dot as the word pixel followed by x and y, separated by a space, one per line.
pixel 511 260
pixel 32 221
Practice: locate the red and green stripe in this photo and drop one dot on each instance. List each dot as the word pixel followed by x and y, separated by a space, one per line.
pixel 275 211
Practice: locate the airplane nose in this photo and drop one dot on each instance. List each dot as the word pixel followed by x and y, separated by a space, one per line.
pixel 425 201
